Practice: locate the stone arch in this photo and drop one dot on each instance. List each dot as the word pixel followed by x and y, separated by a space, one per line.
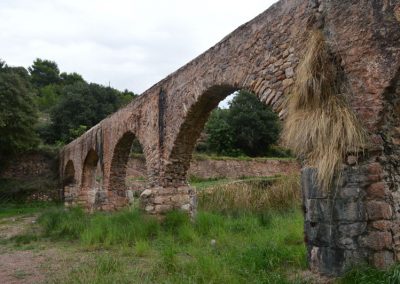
pixel 90 185
pixel 69 173
pixel 190 130
pixel 121 194
pixel 68 182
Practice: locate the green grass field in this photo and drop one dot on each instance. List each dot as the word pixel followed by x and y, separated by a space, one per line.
pixel 233 243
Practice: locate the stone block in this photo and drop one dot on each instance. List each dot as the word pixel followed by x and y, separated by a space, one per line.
pixel 350 192
pixel 378 210
pixel 377 190
pixel 381 225
pixel 351 160
pixel 161 199
pixel 352 230
pixel 160 209
pixel 318 234
pixel 318 210
pixel 146 193
pixel 149 208
pixel 383 259
pixel 346 243
pixel 375 169
pixel 289 72
pixel 355 258
pixel 348 211
pixel 180 199
pixel 326 260
pixel 377 240
pixel 186 207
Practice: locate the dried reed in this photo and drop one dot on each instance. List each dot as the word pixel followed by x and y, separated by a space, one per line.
pixel 252 196
pixel 320 128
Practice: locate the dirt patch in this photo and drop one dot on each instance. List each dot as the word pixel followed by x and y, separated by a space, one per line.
pixel 21 267
pixel 28 263
pixel 312 278
pixel 14 226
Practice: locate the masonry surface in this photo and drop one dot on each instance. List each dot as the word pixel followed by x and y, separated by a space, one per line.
pixel 363 225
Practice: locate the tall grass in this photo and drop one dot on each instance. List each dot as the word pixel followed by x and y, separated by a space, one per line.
pixel 99 229
pixel 369 275
pixel 252 196
pixel 320 127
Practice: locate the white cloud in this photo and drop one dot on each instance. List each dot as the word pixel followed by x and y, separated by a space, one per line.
pixel 131 43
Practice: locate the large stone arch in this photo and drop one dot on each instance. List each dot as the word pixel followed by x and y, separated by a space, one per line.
pixel 197 115
pixel 118 191
pixel 178 161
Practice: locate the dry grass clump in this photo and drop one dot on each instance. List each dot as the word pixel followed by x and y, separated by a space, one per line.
pixel 320 127
pixel 252 196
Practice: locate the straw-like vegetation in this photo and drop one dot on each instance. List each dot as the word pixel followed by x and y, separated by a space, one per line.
pixel 252 196
pixel 320 127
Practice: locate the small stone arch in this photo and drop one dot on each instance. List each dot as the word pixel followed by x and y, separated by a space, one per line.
pixel 91 180
pixel 118 190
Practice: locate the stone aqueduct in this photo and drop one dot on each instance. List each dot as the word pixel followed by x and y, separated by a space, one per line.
pixel 362 223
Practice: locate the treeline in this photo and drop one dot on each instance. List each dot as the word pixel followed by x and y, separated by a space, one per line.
pixel 41 105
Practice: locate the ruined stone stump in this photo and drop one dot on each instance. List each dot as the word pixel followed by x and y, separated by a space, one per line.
pixel 160 200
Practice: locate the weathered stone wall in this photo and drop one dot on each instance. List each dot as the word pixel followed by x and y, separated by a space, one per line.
pixel 230 168
pixel 30 177
pixel 29 166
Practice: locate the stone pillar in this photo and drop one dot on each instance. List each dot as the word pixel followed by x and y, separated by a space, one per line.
pixel 353 224
pixel 160 200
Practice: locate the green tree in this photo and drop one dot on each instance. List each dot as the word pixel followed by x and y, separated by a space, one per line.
pixel 255 126
pixel 71 78
pixel 247 127
pixel 220 138
pixel 17 112
pixel 44 72
pixel 48 96
pixel 81 105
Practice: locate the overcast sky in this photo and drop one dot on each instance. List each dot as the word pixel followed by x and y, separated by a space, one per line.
pixel 130 43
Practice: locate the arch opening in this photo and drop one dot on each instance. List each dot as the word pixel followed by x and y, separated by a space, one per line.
pixel 91 181
pixel 128 170
pixel 68 182
pixel 193 131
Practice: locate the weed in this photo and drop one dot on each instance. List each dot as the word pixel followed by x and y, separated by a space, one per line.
pixel 142 247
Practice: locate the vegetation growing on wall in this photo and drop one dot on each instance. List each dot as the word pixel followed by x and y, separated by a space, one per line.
pixel 320 127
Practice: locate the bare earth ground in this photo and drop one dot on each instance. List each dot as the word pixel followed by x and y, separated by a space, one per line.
pixel 30 263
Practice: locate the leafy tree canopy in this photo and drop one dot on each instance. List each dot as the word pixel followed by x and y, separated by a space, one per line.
pixel 71 78
pixel 247 127
pixel 81 106
pixel 44 72
pixel 18 113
